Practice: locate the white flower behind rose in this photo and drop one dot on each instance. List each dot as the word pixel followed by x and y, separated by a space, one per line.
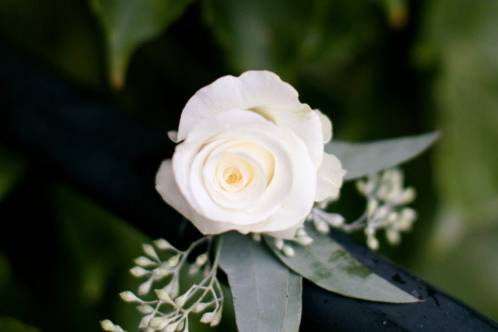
pixel 250 158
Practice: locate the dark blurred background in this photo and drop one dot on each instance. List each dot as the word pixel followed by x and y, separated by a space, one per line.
pixel 379 69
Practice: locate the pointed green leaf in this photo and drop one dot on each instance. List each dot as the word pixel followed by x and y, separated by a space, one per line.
pixel 129 23
pixel 330 266
pixel 265 293
pixel 360 159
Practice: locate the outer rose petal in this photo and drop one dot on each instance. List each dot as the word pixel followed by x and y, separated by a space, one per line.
pixel 169 191
pixel 330 177
pixel 266 94
pixel 300 199
pixel 167 187
pixel 326 127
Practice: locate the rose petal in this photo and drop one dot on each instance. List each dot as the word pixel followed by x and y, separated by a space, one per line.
pixel 300 199
pixel 169 191
pixel 326 127
pixel 330 177
pixel 266 94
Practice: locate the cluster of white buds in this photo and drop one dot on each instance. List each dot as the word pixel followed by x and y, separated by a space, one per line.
pixel 169 309
pixel 386 206
pixel 386 210
pixel 301 237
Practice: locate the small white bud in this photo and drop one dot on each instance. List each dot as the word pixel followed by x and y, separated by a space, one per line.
pixel 144 288
pixel 138 271
pixel 157 322
pixel 369 231
pixel 207 317
pixel 161 272
pixel 163 295
pixel 144 322
pixel 181 300
pixel 144 261
pixel 335 220
pixel 162 244
pixel 321 226
pixel 393 236
pixel 392 217
pixel 149 250
pixel 173 260
pixel 279 243
pixel 304 240
pixel 407 196
pixel 201 259
pixel 173 136
pixel 128 296
pixel 107 325
pixel 288 251
pixel 216 319
pixel 256 237
pixel 373 243
pixel 145 309
pixel 361 186
pixel 408 214
pixel 301 232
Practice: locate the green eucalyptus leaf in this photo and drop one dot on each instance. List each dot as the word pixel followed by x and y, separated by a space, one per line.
pixel 265 293
pixel 360 159
pixel 294 306
pixel 129 23
pixel 328 265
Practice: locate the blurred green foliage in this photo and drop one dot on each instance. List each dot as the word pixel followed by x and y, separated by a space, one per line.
pixel 129 23
pixel 377 68
pixel 11 169
pixel 12 325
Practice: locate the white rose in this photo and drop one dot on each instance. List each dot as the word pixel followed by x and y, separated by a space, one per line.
pixel 250 158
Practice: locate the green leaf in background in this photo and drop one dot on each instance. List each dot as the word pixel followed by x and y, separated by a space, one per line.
pixel 11 169
pixel 264 291
pixel 61 32
pixel 8 324
pixel 360 159
pixel 458 43
pixel 305 36
pixel 328 265
pixel 129 23
pixel 254 37
pixel 99 250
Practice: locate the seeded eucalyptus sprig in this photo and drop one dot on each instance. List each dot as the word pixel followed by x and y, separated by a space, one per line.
pixel 385 209
pixel 169 308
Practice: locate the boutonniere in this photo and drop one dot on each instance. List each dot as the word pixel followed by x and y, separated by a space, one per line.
pixel 256 172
